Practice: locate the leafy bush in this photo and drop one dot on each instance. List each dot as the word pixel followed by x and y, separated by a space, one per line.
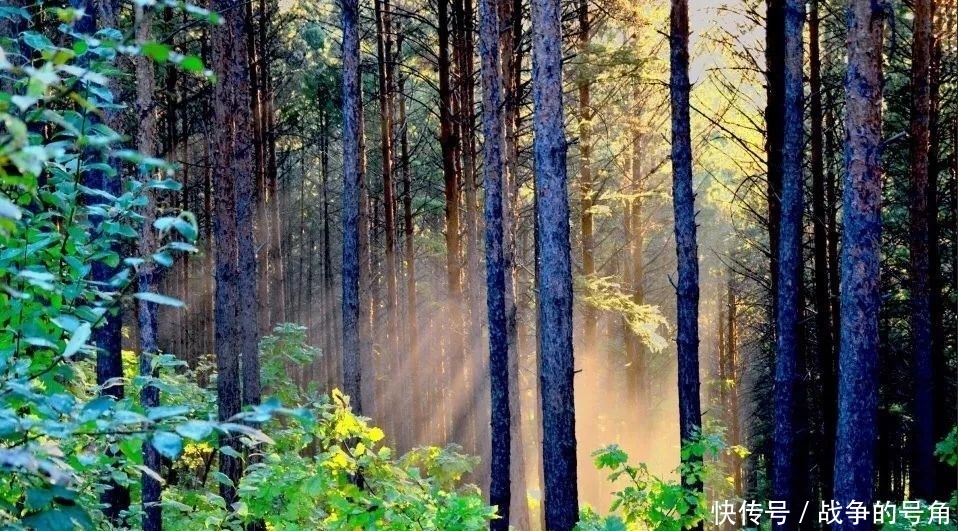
pixel 327 470
pixel 652 503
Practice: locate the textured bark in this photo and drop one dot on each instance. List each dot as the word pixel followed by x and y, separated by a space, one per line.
pixel 860 258
pixel 683 198
pixel 789 300
pixel 243 173
pixel 494 173
pixel 233 172
pixel 554 270
pixel 825 343
pixel 353 177
pixel 146 143
pixel 923 408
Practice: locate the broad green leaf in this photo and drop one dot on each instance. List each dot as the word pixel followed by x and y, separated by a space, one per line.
pixel 156 51
pixel 168 444
pixel 77 340
pixel 192 63
pixel 196 430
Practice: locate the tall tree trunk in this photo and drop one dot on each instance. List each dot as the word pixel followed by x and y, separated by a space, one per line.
pixel 554 270
pixel 820 214
pixel 107 337
pixel 146 140
pixel 235 334
pixel 923 409
pixel 585 166
pixel 789 300
pixel 774 134
pixel 494 173
pixel 353 179
pixel 687 289
pixel 860 260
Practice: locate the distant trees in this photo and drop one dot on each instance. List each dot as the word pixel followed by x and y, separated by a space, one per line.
pixel 554 270
pixel 860 260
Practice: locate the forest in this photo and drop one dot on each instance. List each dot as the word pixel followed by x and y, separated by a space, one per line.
pixel 542 265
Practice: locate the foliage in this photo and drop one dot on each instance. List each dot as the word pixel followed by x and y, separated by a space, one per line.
pixel 328 470
pixel 285 348
pixel 652 503
pixel 644 320
pixel 60 440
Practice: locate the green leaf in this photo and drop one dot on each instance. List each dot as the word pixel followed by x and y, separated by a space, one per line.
pixel 156 51
pixel 192 63
pixel 163 412
pixel 168 444
pixel 77 340
pixel 196 430
pixel 37 41
pixel 64 518
pixel 8 209
pixel 163 258
pixel 156 298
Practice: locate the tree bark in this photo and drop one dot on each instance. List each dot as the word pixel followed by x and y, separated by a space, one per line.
pixel 687 289
pixel 923 408
pixel 860 260
pixel 554 270
pixel 494 173
pixel 825 344
pixel 146 140
pixel 235 335
pixel 353 178
pixel 107 337
pixel 789 300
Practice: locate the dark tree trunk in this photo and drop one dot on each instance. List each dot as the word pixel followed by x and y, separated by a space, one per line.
pixel 494 173
pixel 687 289
pixel 353 177
pixel 820 214
pixel 774 134
pixel 860 259
pixel 923 409
pixel 554 270
pixel 107 337
pixel 789 300
pixel 146 140
pixel 233 173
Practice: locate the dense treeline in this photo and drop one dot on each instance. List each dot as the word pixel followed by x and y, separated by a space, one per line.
pixel 720 239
